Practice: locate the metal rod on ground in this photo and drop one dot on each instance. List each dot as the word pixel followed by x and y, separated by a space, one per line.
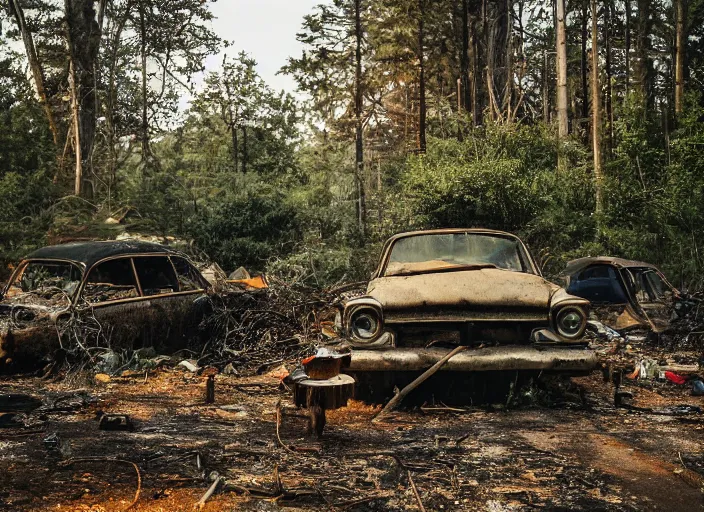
pixel 395 401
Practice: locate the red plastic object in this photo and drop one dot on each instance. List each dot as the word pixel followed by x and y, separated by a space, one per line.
pixel 677 379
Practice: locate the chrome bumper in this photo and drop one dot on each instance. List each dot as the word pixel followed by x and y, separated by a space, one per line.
pixel 476 360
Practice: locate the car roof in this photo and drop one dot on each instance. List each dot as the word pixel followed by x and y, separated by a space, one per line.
pixel 575 266
pixel 480 231
pixel 89 253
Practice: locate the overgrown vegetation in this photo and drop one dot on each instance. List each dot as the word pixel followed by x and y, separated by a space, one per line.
pixel 383 144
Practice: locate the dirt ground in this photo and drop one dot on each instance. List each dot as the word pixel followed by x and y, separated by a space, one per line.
pixel 576 456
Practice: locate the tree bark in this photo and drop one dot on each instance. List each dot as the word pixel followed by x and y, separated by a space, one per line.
pixel 627 44
pixel 596 113
pixel 83 41
pixel 584 64
pixel 643 72
pixel 35 66
pixel 474 81
pixel 358 106
pixel 245 149
pixel 144 129
pixel 608 16
pixel 422 145
pixel 508 57
pixel 562 121
pixel 546 89
pixel 465 73
pixel 680 49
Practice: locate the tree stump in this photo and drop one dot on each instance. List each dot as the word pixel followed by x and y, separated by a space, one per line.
pixel 319 396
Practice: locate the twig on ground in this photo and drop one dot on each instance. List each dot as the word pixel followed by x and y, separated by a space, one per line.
pixel 415 492
pixel 278 425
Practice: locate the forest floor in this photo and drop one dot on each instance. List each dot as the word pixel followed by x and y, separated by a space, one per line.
pixel 580 455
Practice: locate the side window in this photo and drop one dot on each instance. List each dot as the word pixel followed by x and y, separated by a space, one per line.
pixel 109 281
pixel 188 277
pixel 598 284
pixel 156 275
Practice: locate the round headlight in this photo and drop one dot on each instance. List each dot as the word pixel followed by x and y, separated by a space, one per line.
pixel 365 324
pixel 571 322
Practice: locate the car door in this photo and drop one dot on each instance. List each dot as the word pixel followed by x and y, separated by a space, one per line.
pixel 176 295
pixel 111 308
pixel 654 296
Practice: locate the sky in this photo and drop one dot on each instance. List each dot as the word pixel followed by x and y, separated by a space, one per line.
pixel 266 29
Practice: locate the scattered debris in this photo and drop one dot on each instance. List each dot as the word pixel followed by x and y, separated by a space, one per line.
pixel 116 422
pixel 191 366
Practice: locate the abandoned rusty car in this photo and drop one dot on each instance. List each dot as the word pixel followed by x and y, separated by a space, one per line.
pixel 435 290
pixel 125 294
pixel 625 295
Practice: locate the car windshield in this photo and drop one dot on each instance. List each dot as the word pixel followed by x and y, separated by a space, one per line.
pixel 448 251
pixel 45 282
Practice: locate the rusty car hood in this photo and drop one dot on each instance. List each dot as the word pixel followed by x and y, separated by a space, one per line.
pixel 487 287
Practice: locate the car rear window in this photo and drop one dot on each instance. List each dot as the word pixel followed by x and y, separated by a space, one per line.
pixel 188 277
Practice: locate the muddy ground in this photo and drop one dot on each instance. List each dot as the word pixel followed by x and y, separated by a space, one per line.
pixel 576 454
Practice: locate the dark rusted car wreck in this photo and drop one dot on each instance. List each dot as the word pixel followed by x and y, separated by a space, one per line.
pixel 436 290
pixel 625 295
pixel 124 294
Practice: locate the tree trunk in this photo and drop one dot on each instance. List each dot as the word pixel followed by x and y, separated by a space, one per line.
pixel 235 147
pixel 627 44
pixel 76 126
pixel 245 149
pixel 608 15
pixel 111 95
pixel 144 129
pixel 680 49
pixel 508 57
pixel 596 113
pixel 584 64
pixel 562 122
pixel 475 77
pixel 546 89
pixel 83 41
pixel 422 145
pixel 643 73
pixel 34 66
pixel 465 73
pixel 358 106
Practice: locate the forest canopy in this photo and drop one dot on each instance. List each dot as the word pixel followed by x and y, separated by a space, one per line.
pixel 578 125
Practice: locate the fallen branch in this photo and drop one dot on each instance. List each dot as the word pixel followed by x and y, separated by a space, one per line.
pixel 211 490
pixel 359 501
pixel 395 401
pixel 105 459
pixel 415 492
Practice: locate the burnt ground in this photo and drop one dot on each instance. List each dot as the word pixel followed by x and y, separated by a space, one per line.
pixel 584 455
